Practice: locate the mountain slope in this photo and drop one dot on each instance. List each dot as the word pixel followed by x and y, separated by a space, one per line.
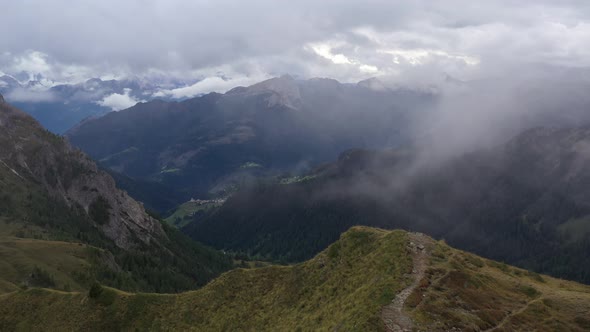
pixel 206 145
pixel 369 280
pixel 525 202
pixel 51 191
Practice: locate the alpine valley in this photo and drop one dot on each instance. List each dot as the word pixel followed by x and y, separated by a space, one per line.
pixel 283 204
pixel 295 166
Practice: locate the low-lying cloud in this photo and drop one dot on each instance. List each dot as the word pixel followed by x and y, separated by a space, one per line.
pixel 28 95
pixel 209 84
pixel 117 101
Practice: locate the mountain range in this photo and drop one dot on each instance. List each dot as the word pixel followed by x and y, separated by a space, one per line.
pixel 59 107
pixel 80 254
pixel 207 146
pixel 262 146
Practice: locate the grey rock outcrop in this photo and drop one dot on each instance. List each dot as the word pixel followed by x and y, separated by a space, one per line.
pixel 41 158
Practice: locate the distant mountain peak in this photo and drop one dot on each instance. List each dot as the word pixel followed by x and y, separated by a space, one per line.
pixel 8 83
pixel 282 84
pixel 284 88
pixel 373 83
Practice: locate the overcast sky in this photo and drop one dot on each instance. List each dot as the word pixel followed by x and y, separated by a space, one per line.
pixel 228 43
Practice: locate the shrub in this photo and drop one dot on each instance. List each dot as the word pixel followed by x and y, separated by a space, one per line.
pixel 107 297
pixel 535 276
pixel 95 290
pixel 41 278
pixel 529 291
pixel 101 295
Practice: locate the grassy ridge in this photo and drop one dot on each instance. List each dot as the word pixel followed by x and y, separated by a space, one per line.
pixel 68 264
pixel 343 288
pixel 61 260
pixel 470 293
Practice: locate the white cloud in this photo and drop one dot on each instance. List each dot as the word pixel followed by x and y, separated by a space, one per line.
pixel 369 69
pixel 417 57
pixel 209 84
pixel 32 62
pixel 29 95
pixel 325 51
pixel 118 102
pixel 32 65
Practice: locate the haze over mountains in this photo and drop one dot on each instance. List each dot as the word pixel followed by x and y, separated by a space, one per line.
pixel 59 107
pixel 450 167
pixel 524 202
pixel 295 166
pixel 206 145
pixel 51 191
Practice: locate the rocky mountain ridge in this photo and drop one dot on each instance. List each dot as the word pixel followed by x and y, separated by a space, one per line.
pixel 53 196
pixel 67 174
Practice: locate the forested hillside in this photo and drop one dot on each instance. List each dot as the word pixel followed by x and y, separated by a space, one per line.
pixel 525 203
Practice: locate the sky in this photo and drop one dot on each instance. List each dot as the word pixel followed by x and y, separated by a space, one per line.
pixel 216 45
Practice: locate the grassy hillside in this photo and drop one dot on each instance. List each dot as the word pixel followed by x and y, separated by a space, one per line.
pixel 60 261
pixel 186 212
pixel 474 294
pixel 369 280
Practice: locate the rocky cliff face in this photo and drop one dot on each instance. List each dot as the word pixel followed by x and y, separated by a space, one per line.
pixel 38 157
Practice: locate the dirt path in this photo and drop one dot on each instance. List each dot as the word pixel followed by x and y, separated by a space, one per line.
pixel 393 314
pixel 512 314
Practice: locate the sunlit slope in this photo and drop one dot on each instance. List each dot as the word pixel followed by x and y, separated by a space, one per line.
pixel 35 261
